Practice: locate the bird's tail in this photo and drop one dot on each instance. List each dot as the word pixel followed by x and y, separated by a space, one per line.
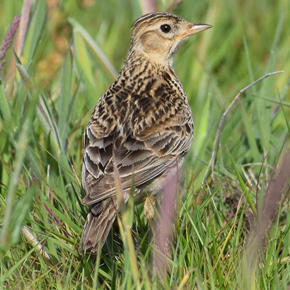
pixel 98 224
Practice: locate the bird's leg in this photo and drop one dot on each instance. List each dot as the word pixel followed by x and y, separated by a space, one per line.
pixel 149 211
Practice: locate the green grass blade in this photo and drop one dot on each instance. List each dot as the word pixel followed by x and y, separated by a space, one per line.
pixel 22 145
pixel 201 131
pixel 243 185
pixel 35 30
pixel 64 218
pixel 249 64
pixel 65 98
pixel 4 104
pixel 83 57
pixel 22 207
pixel 250 134
pixel 48 124
pixel 101 57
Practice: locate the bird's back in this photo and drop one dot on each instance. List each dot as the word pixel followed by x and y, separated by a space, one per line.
pixel 143 122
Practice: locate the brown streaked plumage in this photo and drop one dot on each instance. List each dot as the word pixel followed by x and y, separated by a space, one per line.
pixel 143 124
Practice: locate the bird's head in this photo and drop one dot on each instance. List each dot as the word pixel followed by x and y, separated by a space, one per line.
pixel 159 35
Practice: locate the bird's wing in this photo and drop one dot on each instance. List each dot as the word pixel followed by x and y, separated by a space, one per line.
pixel 139 156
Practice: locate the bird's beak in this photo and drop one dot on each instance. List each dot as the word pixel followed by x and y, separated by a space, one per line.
pixel 192 29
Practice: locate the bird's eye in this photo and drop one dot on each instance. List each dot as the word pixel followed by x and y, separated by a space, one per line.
pixel 165 28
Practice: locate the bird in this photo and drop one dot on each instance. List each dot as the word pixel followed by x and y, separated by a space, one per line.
pixel 140 128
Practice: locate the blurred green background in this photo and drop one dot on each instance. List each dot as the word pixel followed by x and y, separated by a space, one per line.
pixel 71 53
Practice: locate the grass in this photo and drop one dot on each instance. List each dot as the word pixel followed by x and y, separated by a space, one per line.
pixel 71 52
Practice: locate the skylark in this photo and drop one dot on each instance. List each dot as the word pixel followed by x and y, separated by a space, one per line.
pixel 142 125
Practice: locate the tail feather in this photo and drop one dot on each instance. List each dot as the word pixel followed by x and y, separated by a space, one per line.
pixel 98 224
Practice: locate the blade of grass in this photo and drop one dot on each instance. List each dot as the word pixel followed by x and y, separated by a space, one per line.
pixel 21 148
pixel 4 104
pixel 64 218
pixel 101 57
pixel 248 58
pixel 249 131
pixel 285 115
pixel 83 57
pixel 243 185
pixel 48 125
pixel 34 34
pixel 65 98
pixel 263 111
pixel 22 207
